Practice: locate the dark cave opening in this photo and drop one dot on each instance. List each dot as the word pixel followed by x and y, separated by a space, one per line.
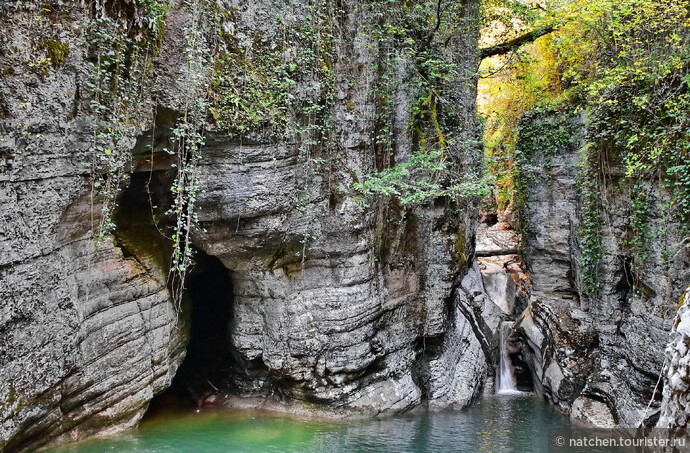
pixel 210 361
pixel 627 280
pixel 523 375
pixel 207 307
pixel 520 355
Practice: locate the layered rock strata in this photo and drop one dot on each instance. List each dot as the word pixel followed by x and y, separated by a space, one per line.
pixel 596 357
pixel 367 309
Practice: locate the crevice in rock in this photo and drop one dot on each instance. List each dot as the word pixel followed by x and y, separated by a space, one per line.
pixel 209 356
pixel 426 348
pixel 529 373
pixel 524 379
pixel 211 365
pixel 627 280
pixel 484 334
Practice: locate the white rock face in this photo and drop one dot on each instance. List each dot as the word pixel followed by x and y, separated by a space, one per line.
pixel 499 286
pixel 676 400
pixel 592 412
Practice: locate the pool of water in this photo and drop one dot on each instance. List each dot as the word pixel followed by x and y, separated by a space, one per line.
pixel 501 423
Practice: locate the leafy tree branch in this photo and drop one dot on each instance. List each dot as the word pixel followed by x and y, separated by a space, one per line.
pixel 509 46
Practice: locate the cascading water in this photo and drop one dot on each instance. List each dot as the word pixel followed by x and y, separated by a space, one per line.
pixel 505 376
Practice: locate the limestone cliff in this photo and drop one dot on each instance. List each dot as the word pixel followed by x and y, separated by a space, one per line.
pixel 333 303
pixel 597 356
pixel 674 406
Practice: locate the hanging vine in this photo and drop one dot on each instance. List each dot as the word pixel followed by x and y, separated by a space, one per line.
pixel 412 42
pixel 119 71
pixel 123 42
pixel 189 139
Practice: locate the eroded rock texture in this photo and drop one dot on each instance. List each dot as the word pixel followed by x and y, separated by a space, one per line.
pixel 87 332
pixel 358 308
pixel 599 356
pixel 675 411
pixel 334 301
pixel 313 303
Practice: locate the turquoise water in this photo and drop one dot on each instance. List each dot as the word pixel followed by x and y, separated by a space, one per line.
pixel 496 424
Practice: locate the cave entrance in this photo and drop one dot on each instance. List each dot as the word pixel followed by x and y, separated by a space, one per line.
pixel 207 306
pixel 210 360
pixel 209 354
pixel 513 371
pixel 523 375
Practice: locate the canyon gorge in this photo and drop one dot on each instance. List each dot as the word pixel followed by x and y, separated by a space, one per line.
pixel 277 150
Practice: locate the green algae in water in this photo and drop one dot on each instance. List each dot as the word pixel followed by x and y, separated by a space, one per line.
pixel 496 424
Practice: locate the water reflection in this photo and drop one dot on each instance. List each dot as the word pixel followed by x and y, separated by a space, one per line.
pixel 497 424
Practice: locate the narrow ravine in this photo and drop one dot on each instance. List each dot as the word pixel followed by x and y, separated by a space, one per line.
pixel 342 225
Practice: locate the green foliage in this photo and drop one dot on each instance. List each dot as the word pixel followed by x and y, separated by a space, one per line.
pixel 508 88
pixel 510 12
pixel 120 67
pixel 281 84
pixel 419 179
pixel 57 51
pixel 410 39
pixel 625 63
pixel 631 57
pixel 645 124
pixel 251 94
pixel 589 232
pixel 153 14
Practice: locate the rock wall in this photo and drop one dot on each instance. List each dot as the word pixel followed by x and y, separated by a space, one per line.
pixel 88 332
pixel 596 357
pixel 674 406
pixel 334 303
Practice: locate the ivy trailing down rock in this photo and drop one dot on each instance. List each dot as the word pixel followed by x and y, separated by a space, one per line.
pixel 598 300
pixel 591 157
pixel 307 176
pixel 594 309
pixel 134 133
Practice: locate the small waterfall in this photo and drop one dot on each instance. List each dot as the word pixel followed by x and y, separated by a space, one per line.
pixel 505 376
